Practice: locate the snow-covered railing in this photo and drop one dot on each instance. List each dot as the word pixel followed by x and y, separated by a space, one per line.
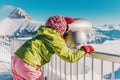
pixel 90 67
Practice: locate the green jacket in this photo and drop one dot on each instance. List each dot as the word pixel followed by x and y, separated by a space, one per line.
pixel 39 50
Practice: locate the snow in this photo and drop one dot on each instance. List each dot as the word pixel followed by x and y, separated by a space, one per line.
pixel 10 26
pixel 5 53
pixel 88 77
pixel 109 47
pixel 106 27
pixel 5 60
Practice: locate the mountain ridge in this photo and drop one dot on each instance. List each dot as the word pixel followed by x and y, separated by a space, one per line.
pixel 18 13
pixel 20 24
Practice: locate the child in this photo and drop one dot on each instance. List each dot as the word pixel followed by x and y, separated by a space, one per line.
pixel 38 51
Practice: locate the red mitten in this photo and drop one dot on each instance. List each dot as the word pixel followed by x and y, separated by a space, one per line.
pixel 88 48
pixel 69 20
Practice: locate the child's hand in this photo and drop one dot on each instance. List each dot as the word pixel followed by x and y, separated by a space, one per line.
pixel 88 48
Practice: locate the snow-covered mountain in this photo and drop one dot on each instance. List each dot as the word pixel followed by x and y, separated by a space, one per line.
pixel 112 31
pixel 18 13
pixel 106 27
pixel 19 24
pixel 104 32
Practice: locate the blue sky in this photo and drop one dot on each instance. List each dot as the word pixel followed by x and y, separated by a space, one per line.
pixel 96 11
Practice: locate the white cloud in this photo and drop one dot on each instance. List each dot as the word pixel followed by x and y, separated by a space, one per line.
pixel 6 8
pixel 5 11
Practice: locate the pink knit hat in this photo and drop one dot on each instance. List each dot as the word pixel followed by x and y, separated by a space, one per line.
pixel 57 23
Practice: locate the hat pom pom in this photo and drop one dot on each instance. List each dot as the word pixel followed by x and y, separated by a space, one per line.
pixel 69 20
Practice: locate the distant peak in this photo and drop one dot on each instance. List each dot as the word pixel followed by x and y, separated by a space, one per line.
pixel 19 14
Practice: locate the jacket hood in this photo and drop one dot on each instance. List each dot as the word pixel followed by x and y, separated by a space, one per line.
pixel 47 31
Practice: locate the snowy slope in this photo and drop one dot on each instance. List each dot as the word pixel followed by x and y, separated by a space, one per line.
pixel 17 23
pixel 10 26
pixel 109 46
pixel 106 27
pixel 103 32
pixel 5 53
pixel 112 31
